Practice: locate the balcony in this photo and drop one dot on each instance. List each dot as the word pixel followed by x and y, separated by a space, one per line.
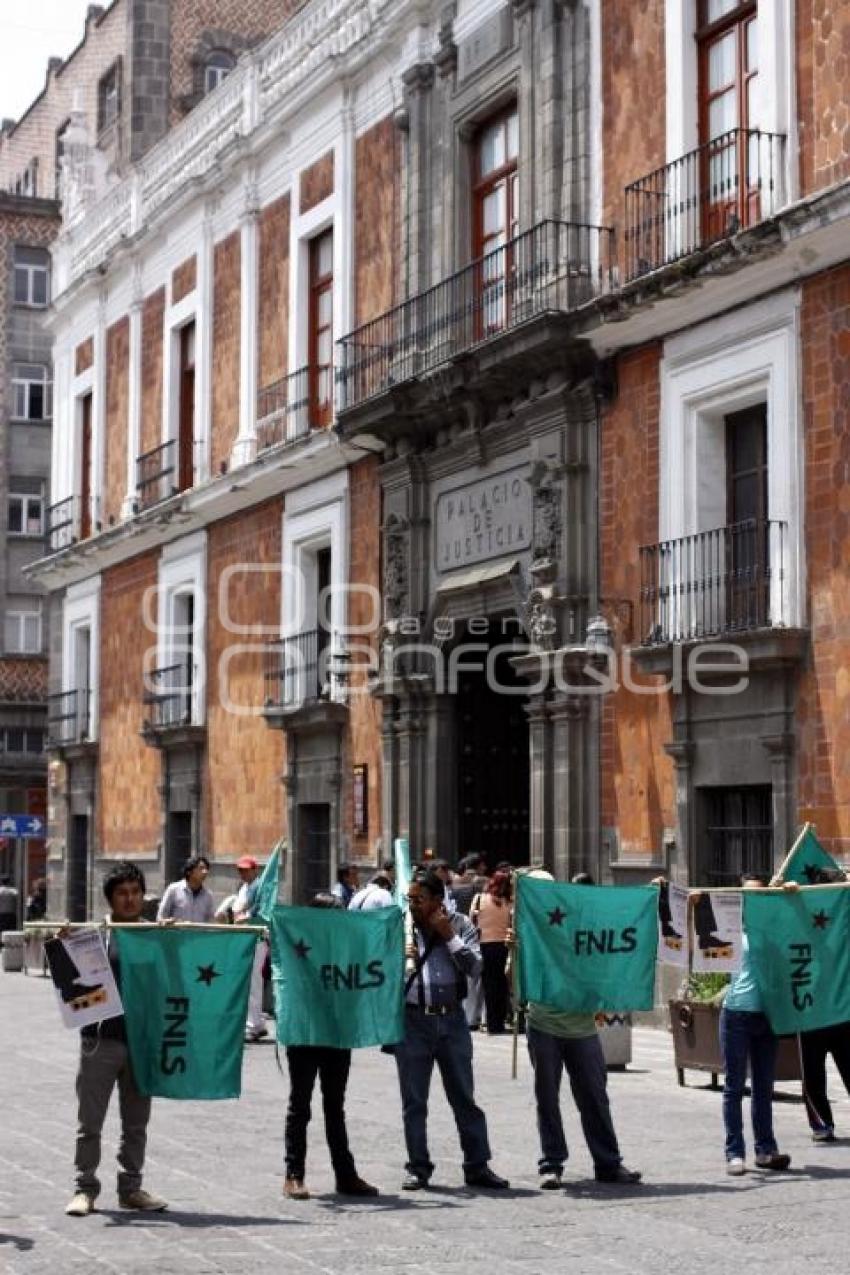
pixel 299 678
pixel 69 722
pixel 168 698
pixel 290 409
pixel 63 524
pixel 717 583
pixel 727 185
pixel 156 475
pixel 554 267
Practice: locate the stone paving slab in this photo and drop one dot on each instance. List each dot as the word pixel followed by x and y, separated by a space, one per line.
pixel 219 1164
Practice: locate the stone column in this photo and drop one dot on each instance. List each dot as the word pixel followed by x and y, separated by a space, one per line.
pixel 780 749
pixel 418 82
pixel 685 870
pixel 98 460
pixel 540 794
pixel 441 771
pixel 134 398
pixel 571 846
pixel 410 730
pixel 389 773
pixel 530 207
pixel 245 447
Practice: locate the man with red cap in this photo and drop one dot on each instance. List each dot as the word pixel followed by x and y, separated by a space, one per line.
pixel 243 911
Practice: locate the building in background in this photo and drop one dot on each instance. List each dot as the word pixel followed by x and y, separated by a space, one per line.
pixel 418 386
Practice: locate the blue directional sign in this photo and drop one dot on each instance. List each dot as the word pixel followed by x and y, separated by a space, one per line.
pixel 21 826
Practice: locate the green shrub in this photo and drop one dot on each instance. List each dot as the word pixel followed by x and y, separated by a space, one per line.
pixel 705 987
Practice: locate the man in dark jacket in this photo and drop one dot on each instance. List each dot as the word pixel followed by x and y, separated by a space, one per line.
pixel 105 1062
pixel 442 952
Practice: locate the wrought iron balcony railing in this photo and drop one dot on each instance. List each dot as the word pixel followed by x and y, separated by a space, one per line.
pixel 726 185
pixel 156 474
pixel 296 670
pixel 715 583
pixel 69 718
pixel 63 523
pixel 289 409
pixel 555 266
pixel 168 696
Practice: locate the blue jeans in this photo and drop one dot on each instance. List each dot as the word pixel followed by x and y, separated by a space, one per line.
pixel 585 1066
pixel 446 1041
pixel 747 1037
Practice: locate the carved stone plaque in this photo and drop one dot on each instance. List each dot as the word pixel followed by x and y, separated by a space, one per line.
pixel 491 518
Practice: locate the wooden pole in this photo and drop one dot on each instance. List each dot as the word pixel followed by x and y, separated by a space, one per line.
pixel 780 875
pixel 514 953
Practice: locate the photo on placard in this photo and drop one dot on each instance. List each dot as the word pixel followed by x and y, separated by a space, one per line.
pixel 673 924
pixel 717 931
pixel 83 978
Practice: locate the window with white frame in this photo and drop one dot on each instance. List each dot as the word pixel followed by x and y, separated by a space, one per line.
pixel 32 276
pixel 32 392
pixel 217 67
pixel 22 626
pixel 26 507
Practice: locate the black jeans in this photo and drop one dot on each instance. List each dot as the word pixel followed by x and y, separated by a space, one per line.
pixel 332 1067
pixel 494 957
pixel 585 1065
pixel 814 1047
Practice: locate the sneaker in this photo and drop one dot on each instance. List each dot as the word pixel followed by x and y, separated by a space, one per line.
pixel 736 1167
pixel 294 1189
pixel 621 1176
pixel 81 1205
pixel 143 1201
pixel 550 1181
pixel 414 1182
pixel 356 1186
pixel 253 1034
pixel 824 1135
pixel 779 1163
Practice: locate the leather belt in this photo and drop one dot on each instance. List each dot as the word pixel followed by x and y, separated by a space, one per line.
pixel 433 1011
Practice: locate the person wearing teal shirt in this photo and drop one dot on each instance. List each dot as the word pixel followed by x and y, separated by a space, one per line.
pixel 746 1037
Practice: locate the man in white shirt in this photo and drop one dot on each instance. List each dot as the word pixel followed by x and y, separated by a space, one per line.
pixel 378 893
pixel 243 913
pixel 189 899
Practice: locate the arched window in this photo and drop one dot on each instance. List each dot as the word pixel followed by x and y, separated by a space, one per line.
pixel 217 67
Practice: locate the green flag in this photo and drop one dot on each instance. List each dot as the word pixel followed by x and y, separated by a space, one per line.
pixel 338 976
pixel 185 994
pixel 401 854
pixel 587 947
pixel 807 860
pixel 265 898
pixel 799 947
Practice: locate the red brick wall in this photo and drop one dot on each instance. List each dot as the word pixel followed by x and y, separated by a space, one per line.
pixel 274 292
pixel 376 169
pixel 823 712
pixel 128 818
pixel 364 741
pixel 117 395
pixel 183 279
pixel 84 356
pixel 317 182
pixel 225 352
pixel 823 103
pixel 153 315
pixel 633 97
pixel 637 793
pixel 245 807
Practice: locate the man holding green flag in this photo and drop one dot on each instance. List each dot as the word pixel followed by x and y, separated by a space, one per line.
pixel 329 1062
pixel 104 1062
pixel 567 1039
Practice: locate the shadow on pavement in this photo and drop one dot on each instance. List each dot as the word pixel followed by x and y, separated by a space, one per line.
pixel 20 1242
pixel 591 1190
pixel 172 1217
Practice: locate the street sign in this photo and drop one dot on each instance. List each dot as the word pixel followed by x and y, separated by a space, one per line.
pixel 21 826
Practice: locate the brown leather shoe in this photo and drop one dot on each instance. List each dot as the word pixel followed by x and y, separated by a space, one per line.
pixel 355 1186
pixel 294 1189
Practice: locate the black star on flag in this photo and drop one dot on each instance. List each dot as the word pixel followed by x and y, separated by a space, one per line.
pixel 206 974
pixel 556 916
pixel 820 920
pixel 301 949
pixel 812 873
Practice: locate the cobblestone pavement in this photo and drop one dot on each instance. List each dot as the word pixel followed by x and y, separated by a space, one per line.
pixel 219 1164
